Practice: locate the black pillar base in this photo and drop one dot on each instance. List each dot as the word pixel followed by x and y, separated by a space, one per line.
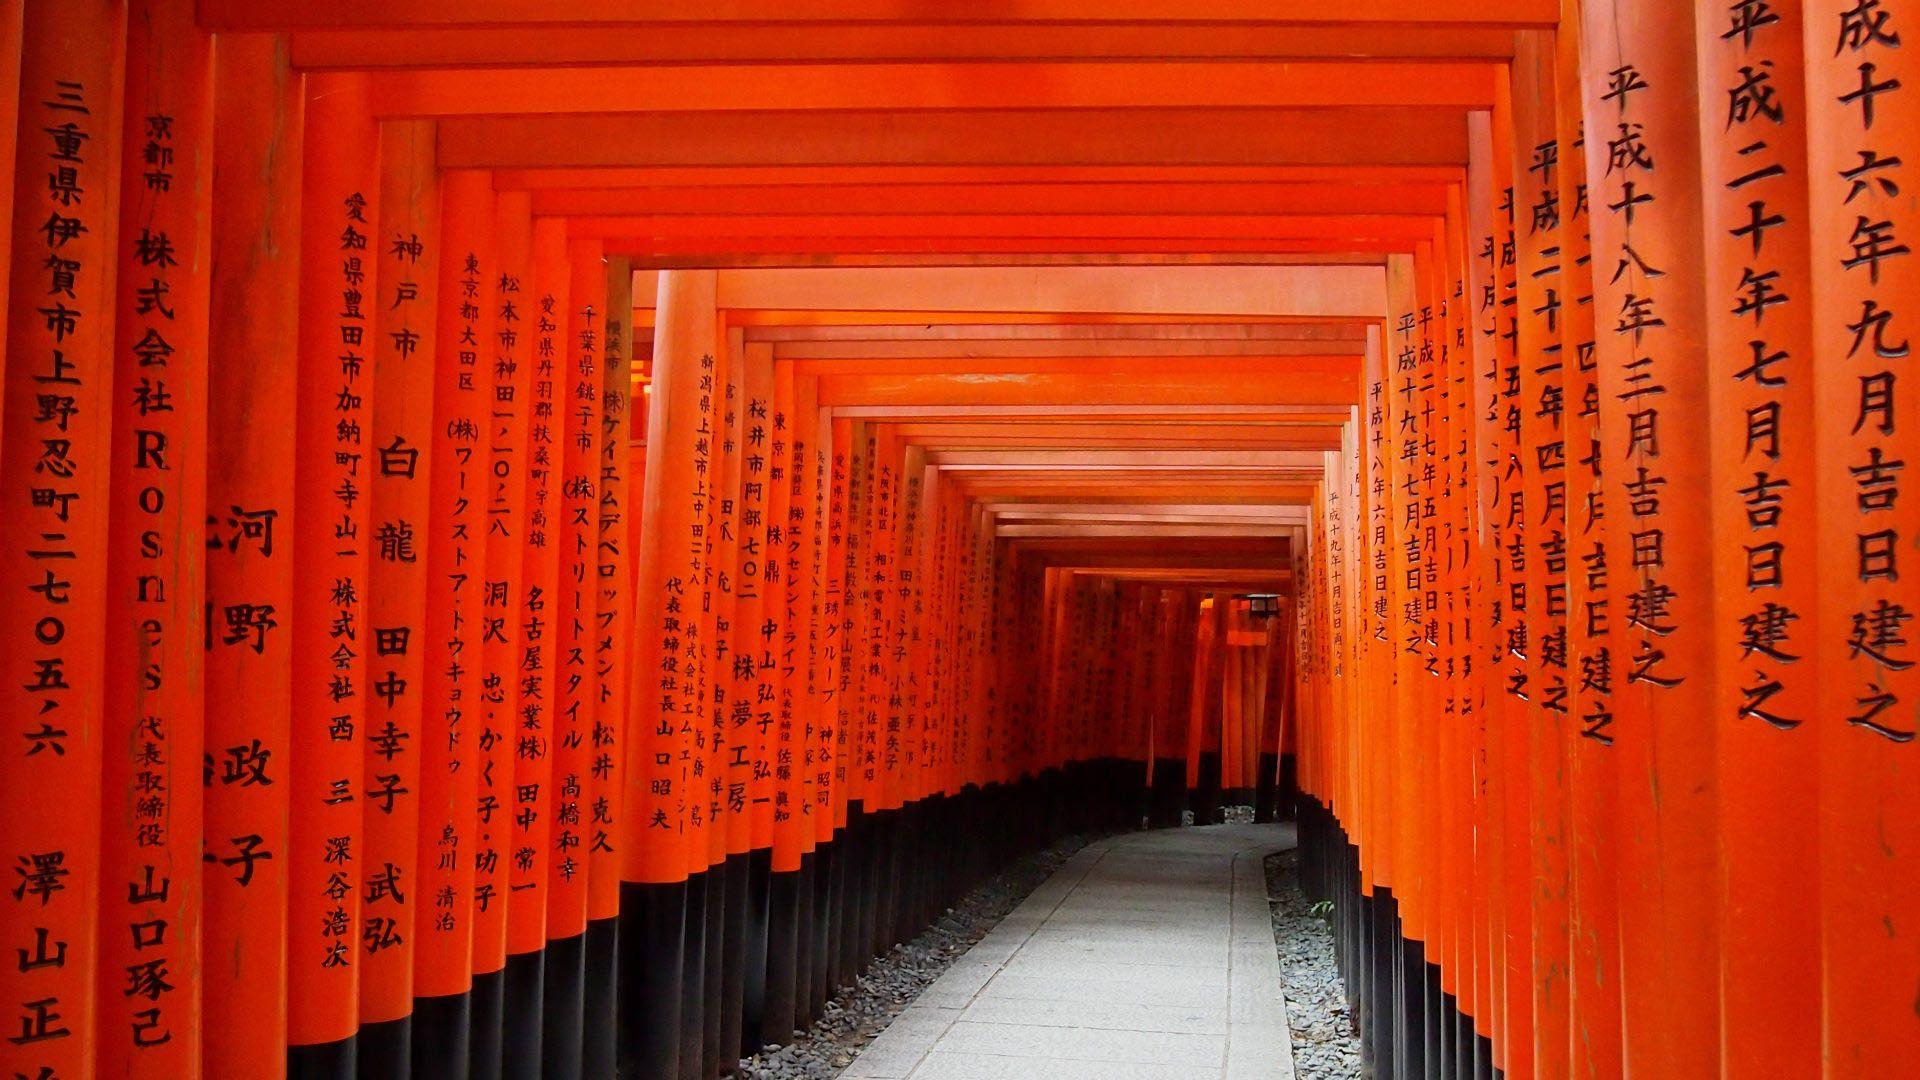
pixel 600 1021
pixel 1266 792
pixel 1169 791
pixel 386 1050
pixel 337 1060
pixel 753 993
pixel 776 1020
pixel 1410 1028
pixel 524 988
pixel 714 1061
pixel 442 1027
pixel 738 914
pixel 817 922
pixel 564 1017
pixel 652 950
pixel 693 984
pixel 488 1028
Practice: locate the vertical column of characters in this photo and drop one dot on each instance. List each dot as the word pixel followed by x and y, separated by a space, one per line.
pixel 819 725
pixel 577 599
pixel 722 539
pixel 854 535
pixel 876 594
pixel 1760 399
pixel 1642 122
pixel 406 245
pixel 506 389
pixel 613 644
pixel 1419 437
pixel 150 727
pixel 333 465
pixel 1593 979
pixel 148 1024
pixel 1479 313
pixel 258 104
pixel 932 626
pixel 839 606
pixel 455 539
pixel 907 653
pixel 749 709
pixel 1504 536
pixel 699 647
pixel 576 532
pixel 1861 87
pixel 901 658
pixel 1398 563
pixel 536 667
pixel 1327 733
pixel 783 640
pixel 1537 543
pixel 614 612
pixel 1374 858
pixel 666 660
pixel 1453 370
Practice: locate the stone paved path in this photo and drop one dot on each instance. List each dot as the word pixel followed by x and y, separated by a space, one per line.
pixel 1148 956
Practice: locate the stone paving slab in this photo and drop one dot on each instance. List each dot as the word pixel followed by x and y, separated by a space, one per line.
pixel 1146 957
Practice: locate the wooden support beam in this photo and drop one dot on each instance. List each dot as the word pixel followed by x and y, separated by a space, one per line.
pixel 643 199
pixel 774 43
pixel 1410 136
pixel 633 15
pixel 1346 293
pixel 546 89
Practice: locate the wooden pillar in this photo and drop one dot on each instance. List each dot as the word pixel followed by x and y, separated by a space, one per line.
pixel 1593 979
pixel 529 881
pixel 407 247
pixel 1642 122
pixel 668 664
pixel 152 724
pixel 1765 594
pixel 576 531
pixel 613 645
pixel 334 466
pixel 455 558
pixel 504 744
pixel 1536 482
pixel 1861 92
pixel 251 520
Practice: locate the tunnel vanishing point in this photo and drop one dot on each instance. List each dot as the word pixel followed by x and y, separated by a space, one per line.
pixel 538 537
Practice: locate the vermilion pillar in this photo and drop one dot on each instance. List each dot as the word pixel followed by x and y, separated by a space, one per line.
pixel 1536 554
pixel 455 557
pixel 504 740
pixel 1861 85
pixel 1765 590
pixel 53 536
pixel 1643 165
pixel 407 247
pixel 534 750
pixel 1593 980
pixel 576 686
pixel 331 638
pixel 250 585
pixel 667 664
pixel 613 625
pixel 152 725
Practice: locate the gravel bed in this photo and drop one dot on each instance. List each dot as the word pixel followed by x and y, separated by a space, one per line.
pixel 858 1013
pixel 1326 1046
